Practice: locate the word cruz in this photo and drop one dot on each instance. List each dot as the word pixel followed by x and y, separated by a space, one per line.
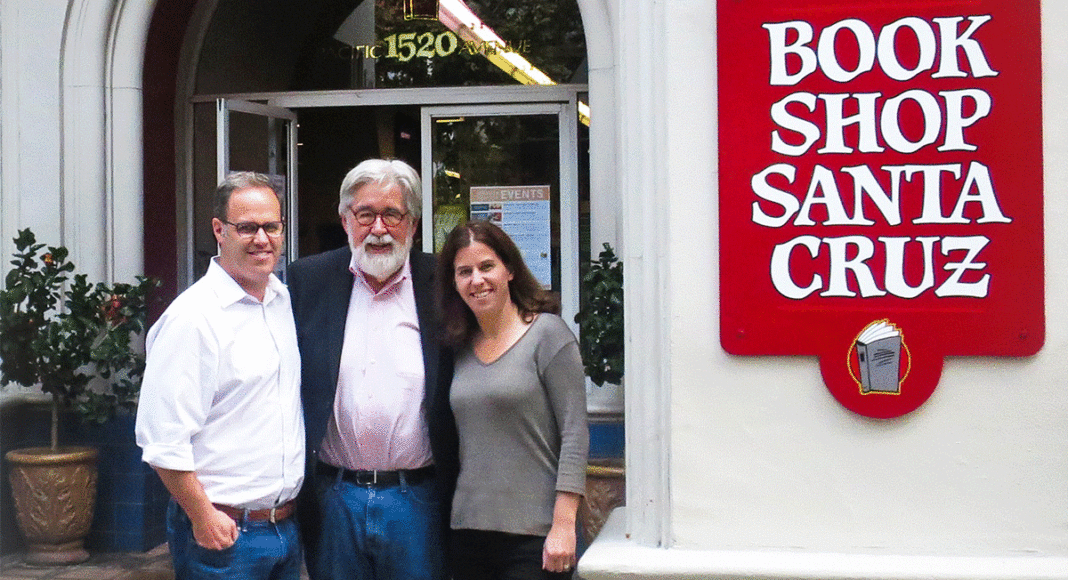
pixel 854 127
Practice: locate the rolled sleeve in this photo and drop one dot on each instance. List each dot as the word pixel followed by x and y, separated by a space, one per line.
pixel 176 390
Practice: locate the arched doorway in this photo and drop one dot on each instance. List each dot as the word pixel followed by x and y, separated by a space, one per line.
pixel 175 44
pixel 360 76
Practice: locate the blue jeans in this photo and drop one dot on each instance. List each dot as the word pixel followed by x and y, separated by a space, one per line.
pixel 379 533
pixel 263 551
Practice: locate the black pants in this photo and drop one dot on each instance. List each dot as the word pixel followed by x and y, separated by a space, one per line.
pixel 482 555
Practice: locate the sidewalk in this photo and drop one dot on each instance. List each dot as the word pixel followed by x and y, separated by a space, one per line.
pixel 152 565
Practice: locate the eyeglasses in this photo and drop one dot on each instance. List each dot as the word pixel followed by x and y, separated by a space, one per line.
pixel 250 229
pixel 391 217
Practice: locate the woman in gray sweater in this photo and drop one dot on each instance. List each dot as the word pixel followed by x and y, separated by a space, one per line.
pixel 520 404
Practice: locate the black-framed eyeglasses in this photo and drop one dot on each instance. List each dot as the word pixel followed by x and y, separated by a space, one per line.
pixel 391 217
pixel 250 229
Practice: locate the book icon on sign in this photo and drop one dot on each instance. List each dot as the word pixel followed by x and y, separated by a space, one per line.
pixel 879 358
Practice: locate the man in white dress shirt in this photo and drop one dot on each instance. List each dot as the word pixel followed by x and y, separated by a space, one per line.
pixel 219 416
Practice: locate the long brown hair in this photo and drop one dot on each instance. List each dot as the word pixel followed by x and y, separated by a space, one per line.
pixel 460 324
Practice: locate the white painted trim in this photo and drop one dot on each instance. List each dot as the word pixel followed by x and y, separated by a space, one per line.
pixel 605 209
pixel 125 130
pixel 84 220
pixel 102 153
pixel 569 211
pixel 617 558
pixel 642 154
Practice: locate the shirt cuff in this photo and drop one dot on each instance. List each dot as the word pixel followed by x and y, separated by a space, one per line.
pixel 173 457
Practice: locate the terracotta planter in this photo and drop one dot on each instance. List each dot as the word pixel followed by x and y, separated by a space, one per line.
pixel 54 493
pixel 605 490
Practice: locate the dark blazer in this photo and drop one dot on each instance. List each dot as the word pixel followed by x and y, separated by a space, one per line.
pixel 320 287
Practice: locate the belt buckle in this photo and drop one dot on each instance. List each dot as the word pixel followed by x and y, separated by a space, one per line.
pixel 272 514
pixel 367 477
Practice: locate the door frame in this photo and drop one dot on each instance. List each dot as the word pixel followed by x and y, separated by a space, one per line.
pixel 417 96
pixel 223 107
pixel 567 117
pixel 427 96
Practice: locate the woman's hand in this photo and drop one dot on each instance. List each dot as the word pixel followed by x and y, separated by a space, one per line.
pixel 558 555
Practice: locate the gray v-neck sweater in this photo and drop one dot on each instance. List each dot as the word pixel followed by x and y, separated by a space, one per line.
pixel 523 433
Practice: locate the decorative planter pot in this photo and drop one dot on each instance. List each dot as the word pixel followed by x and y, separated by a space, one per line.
pixel 605 490
pixel 606 399
pixel 54 493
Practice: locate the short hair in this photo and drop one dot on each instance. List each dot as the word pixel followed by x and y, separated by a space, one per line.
pixel 460 324
pixel 241 180
pixel 383 172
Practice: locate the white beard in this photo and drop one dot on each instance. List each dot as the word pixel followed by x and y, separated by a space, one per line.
pixel 381 266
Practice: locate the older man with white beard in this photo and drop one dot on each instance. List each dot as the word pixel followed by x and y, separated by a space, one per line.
pixel 382 448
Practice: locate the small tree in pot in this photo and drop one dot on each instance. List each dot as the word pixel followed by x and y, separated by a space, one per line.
pixel 601 342
pixel 63 333
pixel 600 319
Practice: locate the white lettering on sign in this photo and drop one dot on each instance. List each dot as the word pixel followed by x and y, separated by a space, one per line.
pixel 875 117
pixel 851 254
pixel 881 51
pixel 958 192
pixel 976 189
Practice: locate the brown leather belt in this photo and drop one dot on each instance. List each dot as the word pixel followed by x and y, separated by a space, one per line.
pixel 273 515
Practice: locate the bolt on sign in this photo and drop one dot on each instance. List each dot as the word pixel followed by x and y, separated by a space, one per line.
pixel 880 193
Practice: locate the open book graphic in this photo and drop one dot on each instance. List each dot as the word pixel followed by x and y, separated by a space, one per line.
pixel 879 355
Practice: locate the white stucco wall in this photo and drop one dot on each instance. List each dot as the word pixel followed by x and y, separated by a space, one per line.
pixel 70 129
pixel 31 34
pixel 767 475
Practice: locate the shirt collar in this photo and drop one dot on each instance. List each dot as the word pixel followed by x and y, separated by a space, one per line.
pixel 230 292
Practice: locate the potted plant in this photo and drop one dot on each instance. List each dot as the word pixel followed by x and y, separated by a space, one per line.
pixel 600 320
pixel 77 341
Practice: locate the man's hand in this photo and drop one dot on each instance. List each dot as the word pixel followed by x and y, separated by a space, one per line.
pixel 212 529
pixel 215 531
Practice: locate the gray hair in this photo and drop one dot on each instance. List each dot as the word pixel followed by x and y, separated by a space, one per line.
pixel 383 172
pixel 240 180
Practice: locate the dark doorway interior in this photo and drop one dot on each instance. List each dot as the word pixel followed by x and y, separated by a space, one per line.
pixel 331 142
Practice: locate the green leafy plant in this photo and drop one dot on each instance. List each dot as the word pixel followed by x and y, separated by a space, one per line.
pixel 600 318
pixel 61 332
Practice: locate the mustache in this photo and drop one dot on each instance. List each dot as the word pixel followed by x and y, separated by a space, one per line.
pixel 379 240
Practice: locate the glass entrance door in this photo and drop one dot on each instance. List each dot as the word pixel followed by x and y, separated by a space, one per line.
pixel 516 166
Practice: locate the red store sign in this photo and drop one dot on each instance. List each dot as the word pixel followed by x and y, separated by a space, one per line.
pixel 880 188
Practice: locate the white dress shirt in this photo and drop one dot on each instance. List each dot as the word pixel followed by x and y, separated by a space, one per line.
pixel 221 392
pixel 378 408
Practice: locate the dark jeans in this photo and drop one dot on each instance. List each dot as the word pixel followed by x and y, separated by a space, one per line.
pixel 484 555
pixel 263 551
pixel 379 533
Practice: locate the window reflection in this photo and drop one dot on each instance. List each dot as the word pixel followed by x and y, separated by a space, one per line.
pixel 346 44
